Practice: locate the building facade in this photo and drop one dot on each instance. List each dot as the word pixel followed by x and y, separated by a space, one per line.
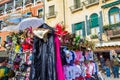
pixel 91 19
pixel 11 12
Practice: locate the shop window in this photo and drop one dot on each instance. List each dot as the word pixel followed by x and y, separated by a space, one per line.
pixel 51 10
pixel 40 12
pixel 114 15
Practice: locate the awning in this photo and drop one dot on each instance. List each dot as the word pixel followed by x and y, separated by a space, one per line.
pixel 107 44
pixel 10 28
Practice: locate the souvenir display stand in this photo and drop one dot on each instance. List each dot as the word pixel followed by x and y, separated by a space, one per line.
pixel 48 53
pixel 19 47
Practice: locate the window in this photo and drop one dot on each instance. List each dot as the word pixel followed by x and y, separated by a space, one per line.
pixel 95 30
pixel 7 38
pixel 94 20
pixel 40 12
pixel 0 25
pixel 114 15
pixel 78 28
pixel 0 40
pixel 77 3
pixel 51 10
pixel 29 13
pixel 94 25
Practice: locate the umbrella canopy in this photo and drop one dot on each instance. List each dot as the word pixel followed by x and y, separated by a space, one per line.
pixel 30 22
pixel 10 28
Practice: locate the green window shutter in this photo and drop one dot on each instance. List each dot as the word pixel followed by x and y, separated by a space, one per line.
pixel 101 22
pixel 78 26
pixel 114 10
pixel 87 25
pixel 93 20
pixel 73 28
pixel 83 29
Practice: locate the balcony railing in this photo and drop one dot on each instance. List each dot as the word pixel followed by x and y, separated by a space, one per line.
pixel 91 2
pixel 28 2
pixel 76 7
pixel 51 15
pixel 112 30
pixel 19 4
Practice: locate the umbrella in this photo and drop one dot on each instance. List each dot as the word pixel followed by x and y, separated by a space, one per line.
pixel 10 28
pixel 30 22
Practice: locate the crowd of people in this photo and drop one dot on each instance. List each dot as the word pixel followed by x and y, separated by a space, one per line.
pixel 111 66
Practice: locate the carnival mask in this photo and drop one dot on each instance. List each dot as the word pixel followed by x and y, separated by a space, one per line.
pixel 41 33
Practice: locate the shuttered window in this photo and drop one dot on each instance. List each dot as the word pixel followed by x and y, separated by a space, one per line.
pixel 78 26
pixel 93 20
pixel 79 29
pixel 77 3
pixel 114 15
pixel 51 10
pixel 40 12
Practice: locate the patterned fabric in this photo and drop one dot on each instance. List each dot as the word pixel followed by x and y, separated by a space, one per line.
pixel 3 72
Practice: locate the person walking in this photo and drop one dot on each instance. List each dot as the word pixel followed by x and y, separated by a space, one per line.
pixel 107 68
pixel 102 62
pixel 115 67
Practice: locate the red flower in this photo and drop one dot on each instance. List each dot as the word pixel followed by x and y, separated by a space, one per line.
pixel 59 30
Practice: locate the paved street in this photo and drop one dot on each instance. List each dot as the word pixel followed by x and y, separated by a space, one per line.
pixel 111 78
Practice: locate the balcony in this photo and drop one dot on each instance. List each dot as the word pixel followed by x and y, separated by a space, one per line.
pixel 91 2
pixel 112 31
pixel 19 4
pixel 51 15
pixel 75 8
pixel 28 2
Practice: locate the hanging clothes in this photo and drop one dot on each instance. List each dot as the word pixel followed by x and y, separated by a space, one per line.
pixel 59 70
pixel 43 60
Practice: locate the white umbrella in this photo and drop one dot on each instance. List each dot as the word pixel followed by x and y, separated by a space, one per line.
pixel 30 22
pixel 10 28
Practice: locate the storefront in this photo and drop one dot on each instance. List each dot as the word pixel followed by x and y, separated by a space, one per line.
pixel 106 48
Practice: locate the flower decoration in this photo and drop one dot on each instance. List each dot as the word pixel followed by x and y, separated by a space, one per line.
pixel 59 30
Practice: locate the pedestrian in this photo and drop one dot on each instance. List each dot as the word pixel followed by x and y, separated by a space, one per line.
pixel 115 66
pixel 5 72
pixel 107 68
pixel 102 61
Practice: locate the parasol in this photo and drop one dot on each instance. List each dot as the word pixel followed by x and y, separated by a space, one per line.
pixel 30 22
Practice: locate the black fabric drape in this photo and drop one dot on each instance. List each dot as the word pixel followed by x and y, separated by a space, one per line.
pixel 43 63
